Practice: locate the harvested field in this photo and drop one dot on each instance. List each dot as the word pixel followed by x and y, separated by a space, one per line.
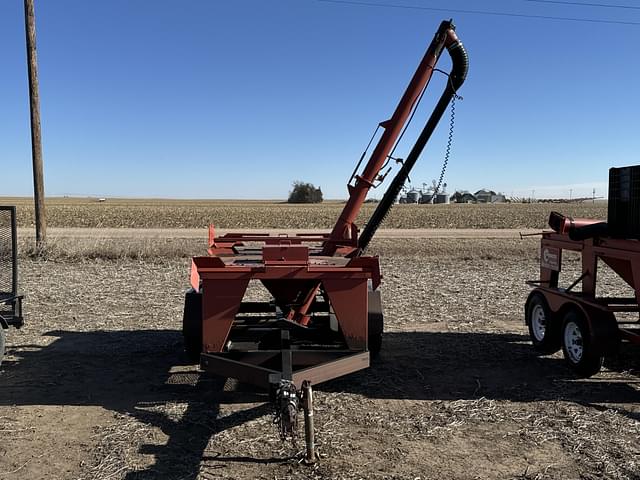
pixel 126 213
pixel 95 386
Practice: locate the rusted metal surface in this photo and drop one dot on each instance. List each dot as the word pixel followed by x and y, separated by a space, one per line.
pixel 332 369
pixel 316 366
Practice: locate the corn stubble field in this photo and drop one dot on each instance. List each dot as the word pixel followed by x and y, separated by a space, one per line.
pixel 126 213
pixel 96 387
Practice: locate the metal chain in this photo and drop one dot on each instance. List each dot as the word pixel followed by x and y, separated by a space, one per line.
pixel 447 152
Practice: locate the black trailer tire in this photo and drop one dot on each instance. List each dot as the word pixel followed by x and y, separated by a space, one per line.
pixel 375 345
pixel 2 343
pixel 583 355
pixel 375 319
pixel 544 329
pixel 192 326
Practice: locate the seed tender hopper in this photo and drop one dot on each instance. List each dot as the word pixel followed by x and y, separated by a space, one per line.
pixel 324 318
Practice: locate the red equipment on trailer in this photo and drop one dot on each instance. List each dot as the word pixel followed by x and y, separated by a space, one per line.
pixel 325 315
pixel 582 323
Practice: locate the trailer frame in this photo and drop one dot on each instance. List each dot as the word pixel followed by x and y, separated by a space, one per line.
pixel 583 324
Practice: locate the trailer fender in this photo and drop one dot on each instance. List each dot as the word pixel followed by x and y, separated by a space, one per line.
pixel 603 328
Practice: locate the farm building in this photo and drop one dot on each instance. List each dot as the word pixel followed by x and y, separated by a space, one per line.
pixel 463 196
pixel 484 195
pixel 489 196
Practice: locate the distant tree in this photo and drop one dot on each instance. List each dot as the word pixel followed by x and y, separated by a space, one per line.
pixel 303 192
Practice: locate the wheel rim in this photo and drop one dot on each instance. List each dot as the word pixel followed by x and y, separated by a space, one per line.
pixel 538 322
pixel 573 342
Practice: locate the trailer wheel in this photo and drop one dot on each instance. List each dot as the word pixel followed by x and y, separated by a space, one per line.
pixel 581 352
pixel 375 319
pixel 544 330
pixel 375 344
pixel 2 343
pixel 192 326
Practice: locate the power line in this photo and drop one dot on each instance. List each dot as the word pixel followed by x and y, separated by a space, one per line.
pixel 476 12
pixel 583 4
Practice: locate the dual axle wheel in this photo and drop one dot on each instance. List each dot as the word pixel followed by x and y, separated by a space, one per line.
pixel 570 332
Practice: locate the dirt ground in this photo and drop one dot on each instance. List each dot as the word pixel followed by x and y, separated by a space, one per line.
pixel 95 386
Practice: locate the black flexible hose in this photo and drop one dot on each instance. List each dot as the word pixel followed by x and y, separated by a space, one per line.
pixel 600 229
pixel 457 76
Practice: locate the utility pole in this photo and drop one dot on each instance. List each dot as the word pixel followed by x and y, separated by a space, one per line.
pixel 36 138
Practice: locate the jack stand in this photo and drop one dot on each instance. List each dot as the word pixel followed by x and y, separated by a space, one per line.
pixel 309 435
pixel 289 400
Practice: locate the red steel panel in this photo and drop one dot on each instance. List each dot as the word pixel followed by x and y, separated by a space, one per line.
pixel 285 254
pixel 348 298
pixel 220 303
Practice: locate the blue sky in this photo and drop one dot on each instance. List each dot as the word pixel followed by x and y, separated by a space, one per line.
pixel 237 99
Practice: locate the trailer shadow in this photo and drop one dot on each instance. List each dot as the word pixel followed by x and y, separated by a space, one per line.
pixel 498 366
pixel 130 371
pixel 134 373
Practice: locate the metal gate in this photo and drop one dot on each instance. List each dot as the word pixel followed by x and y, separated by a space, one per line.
pixel 10 301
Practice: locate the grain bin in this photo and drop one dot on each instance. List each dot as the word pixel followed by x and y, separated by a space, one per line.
pixel 413 196
pixel 441 198
pixel 426 198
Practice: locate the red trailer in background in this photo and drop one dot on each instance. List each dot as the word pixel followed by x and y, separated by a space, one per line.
pixel 582 323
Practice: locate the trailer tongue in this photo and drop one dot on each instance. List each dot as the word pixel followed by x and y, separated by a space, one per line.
pixel 325 316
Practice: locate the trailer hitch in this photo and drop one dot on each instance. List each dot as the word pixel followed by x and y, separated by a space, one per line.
pixel 287 404
pixel 289 401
